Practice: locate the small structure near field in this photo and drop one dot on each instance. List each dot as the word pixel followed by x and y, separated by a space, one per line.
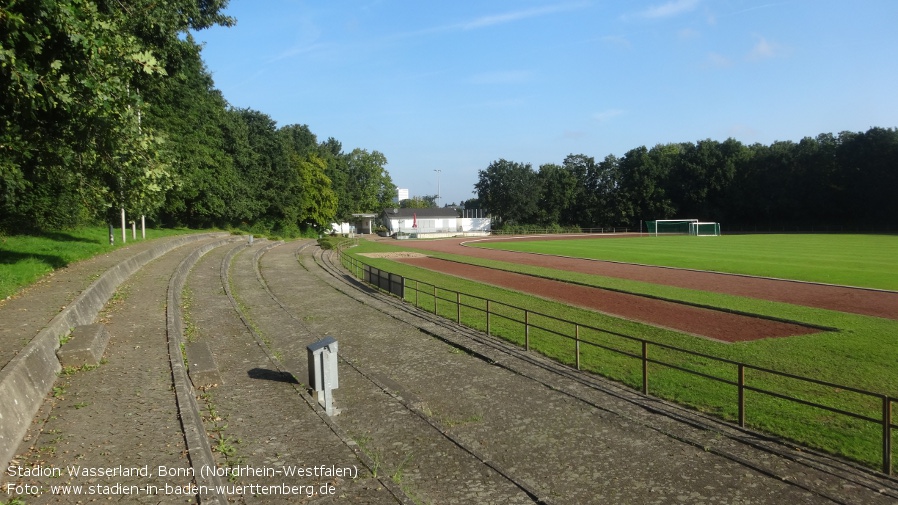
pixel 435 223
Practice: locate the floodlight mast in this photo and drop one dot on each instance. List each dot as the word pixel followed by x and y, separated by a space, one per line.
pixel 438 186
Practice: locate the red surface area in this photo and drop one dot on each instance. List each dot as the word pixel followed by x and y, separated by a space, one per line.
pixel 845 299
pixel 709 323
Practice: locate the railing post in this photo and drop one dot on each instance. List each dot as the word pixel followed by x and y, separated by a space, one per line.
pixel 487 317
pixel 886 435
pixel 416 294
pixel 526 330
pixel 645 367
pixel 435 301
pixel 457 307
pixel 577 345
pixel 741 380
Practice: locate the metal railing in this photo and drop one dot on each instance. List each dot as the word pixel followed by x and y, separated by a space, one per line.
pixel 522 326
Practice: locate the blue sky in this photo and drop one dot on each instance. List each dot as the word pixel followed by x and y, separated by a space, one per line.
pixel 453 86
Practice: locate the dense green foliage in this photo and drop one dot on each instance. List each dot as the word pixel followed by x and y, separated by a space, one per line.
pixel 827 181
pixel 107 105
pixel 419 202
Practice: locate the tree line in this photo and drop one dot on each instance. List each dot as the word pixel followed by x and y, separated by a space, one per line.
pixel 107 105
pixel 826 181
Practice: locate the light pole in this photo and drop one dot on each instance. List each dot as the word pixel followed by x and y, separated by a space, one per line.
pixel 438 186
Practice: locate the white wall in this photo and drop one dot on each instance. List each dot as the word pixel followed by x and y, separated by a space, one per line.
pixel 448 225
pixel 483 224
pixel 340 227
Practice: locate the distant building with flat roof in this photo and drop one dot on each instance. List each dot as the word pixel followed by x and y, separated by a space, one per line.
pixel 433 223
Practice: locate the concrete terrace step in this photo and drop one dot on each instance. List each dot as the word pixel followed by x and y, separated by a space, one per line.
pixel 85 346
pixel 30 373
pixel 260 416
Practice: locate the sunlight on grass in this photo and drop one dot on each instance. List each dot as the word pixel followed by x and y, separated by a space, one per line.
pixel 26 258
pixel 851 260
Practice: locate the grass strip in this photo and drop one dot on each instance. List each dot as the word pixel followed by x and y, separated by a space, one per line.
pixel 24 259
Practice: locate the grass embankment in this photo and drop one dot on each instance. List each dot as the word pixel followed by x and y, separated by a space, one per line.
pixel 859 353
pixel 26 258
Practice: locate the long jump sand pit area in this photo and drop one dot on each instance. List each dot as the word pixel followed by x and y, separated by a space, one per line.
pixel 840 298
pixel 715 324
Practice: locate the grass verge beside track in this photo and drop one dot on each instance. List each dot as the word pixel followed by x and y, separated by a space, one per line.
pixel 860 353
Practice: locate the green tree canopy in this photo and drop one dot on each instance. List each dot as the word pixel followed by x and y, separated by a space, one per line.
pixel 509 191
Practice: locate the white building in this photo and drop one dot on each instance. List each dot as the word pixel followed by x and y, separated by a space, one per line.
pixel 433 223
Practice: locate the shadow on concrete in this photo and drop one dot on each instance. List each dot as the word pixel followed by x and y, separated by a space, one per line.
pixel 271 375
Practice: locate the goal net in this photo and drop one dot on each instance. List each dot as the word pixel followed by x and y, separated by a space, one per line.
pixel 670 226
pixel 704 229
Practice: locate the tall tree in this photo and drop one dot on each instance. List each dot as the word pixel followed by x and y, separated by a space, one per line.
pixel 369 188
pixel 642 184
pixel 300 139
pixel 319 201
pixel 558 193
pixel 194 118
pixel 509 191
pixel 65 107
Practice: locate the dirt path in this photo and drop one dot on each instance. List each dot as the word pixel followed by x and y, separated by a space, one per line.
pixel 843 299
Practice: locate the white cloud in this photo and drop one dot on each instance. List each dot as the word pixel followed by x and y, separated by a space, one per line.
pixel 311 49
pixel 717 60
pixel 508 17
pixel 506 77
pixel 605 116
pixel 688 33
pixel 669 9
pixel 763 49
pixel 493 20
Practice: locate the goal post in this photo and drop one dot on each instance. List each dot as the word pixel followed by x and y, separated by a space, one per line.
pixel 670 226
pixel 704 229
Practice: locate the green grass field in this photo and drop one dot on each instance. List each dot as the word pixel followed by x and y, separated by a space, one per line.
pixel 26 258
pixel 851 260
pixel 859 353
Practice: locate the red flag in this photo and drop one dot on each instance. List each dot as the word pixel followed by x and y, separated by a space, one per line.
pixel 414 219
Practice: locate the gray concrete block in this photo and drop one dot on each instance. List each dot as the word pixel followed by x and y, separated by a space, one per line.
pixel 85 347
pixel 201 366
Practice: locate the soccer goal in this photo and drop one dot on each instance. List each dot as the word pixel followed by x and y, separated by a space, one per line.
pixel 670 226
pixel 704 229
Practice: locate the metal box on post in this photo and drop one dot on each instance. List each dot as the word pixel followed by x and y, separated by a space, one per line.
pixel 323 372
